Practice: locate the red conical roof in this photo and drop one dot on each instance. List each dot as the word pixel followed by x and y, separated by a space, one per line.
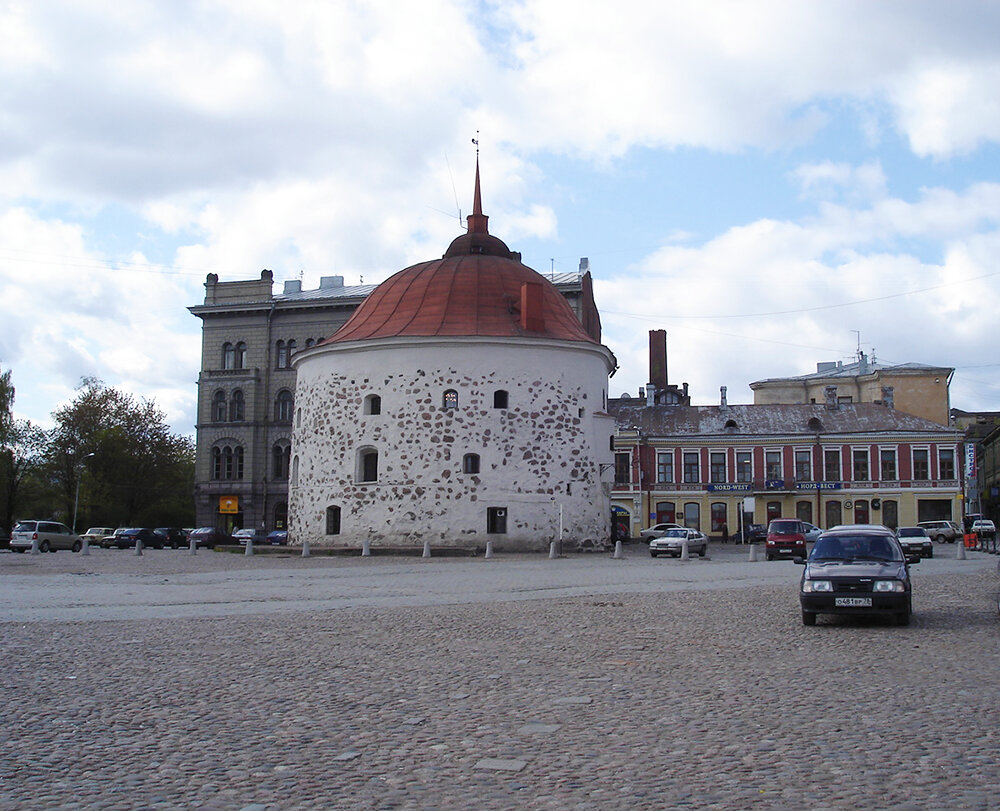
pixel 478 288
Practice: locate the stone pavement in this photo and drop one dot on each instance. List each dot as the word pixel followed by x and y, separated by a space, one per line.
pixel 223 682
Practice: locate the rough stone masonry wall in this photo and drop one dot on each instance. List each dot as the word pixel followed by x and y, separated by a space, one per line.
pixel 535 455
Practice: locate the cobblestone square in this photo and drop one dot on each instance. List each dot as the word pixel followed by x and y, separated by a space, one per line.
pixel 706 692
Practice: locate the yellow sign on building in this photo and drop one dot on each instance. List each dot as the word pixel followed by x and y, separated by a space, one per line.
pixel 229 504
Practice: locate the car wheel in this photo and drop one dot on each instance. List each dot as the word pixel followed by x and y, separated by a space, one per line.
pixel 939 539
pixel 652 554
pixel 44 547
pixel 769 557
pixel 930 554
pixel 903 618
pixel 704 549
pixel 77 546
pixel 808 617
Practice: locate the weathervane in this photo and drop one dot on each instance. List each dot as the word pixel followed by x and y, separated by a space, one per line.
pixel 476 142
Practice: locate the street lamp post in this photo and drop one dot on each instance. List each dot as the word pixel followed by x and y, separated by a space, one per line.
pixel 76 503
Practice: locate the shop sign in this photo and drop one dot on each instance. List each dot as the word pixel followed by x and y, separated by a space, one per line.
pixel 728 488
pixel 229 505
pixel 819 485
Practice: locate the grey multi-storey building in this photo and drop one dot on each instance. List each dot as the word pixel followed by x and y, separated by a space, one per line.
pixel 246 388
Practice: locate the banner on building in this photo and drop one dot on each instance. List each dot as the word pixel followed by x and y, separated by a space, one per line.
pixel 229 504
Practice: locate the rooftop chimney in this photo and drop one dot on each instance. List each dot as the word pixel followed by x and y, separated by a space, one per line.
pixel 327 282
pixel 658 358
pixel 293 286
pixel 584 265
pixel 722 401
pixel 888 397
pixel 650 394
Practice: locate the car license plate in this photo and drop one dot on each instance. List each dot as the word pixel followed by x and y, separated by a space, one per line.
pixel 785 551
pixel 853 602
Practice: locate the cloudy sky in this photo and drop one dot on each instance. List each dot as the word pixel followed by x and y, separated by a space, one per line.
pixel 773 183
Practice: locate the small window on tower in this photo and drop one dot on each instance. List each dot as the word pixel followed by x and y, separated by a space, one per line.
pixel 500 399
pixel 450 399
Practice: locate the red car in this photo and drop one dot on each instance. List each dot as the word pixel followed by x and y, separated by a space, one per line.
pixel 786 538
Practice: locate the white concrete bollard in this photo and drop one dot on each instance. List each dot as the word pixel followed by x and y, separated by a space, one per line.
pixel 249 550
pixel 427 549
pixel 366 548
pixel 685 553
pixel 34 546
pixel 552 551
pixel 192 547
pixel 138 547
pixel 753 553
pixel 86 547
pixel 960 552
pixel 619 554
pixel 489 550
pixel 305 549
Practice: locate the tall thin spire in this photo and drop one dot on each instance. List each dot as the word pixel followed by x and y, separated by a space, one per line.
pixel 477 220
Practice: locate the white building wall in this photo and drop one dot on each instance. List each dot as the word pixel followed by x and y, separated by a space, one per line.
pixel 543 452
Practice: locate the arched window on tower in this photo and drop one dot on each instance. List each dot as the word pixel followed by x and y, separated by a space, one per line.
pixel 228 356
pixel 373 404
pixel 450 399
pixel 241 356
pixel 282 457
pixel 284 406
pixel 219 407
pixel 367 470
pixel 500 399
pixel 237 407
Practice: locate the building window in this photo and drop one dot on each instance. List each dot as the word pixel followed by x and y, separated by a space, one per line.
pixel 373 404
pixel 219 407
pixel 228 356
pixel 861 514
pixel 844 399
pixel 295 470
pixel 773 511
pixel 450 399
pixel 284 351
pixel 717 466
pixel 496 520
pixel 887 464
pixel 719 520
pixel 282 457
pixel 744 466
pixel 803 466
pixel 237 407
pixel 666 512
pixel 692 515
pixel 227 462
pixel 692 474
pixel 499 399
pixel 310 342
pixel 946 463
pixel 470 463
pixel 368 465
pixel 860 468
pixel 284 406
pixel 333 520
pixel 804 511
pixel 664 467
pixel 623 468
pixel 921 465
pixel 772 465
pixel 831 466
pixel 890 514
pixel 834 513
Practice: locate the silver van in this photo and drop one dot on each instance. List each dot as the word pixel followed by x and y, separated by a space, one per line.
pixel 51 535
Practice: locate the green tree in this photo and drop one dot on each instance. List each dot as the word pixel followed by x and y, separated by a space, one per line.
pixel 20 456
pixel 139 470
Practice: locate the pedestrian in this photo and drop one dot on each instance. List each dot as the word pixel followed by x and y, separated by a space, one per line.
pixel 725 533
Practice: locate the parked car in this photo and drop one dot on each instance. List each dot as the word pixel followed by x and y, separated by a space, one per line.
pixel 50 535
pixel 787 538
pixel 174 537
pixel 859 570
pixel 751 533
pixel 672 542
pixel 278 537
pixel 108 541
pixel 128 538
pixel 942 531
pixel 210 536
pixel 984 528
pixel 656 531
pixel 241 536
pixel 915 541
pixel 95 535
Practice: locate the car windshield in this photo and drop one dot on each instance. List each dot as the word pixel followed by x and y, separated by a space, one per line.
pixel 854 547
pixel 784 527
pixel 912 532
pixel 675 533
